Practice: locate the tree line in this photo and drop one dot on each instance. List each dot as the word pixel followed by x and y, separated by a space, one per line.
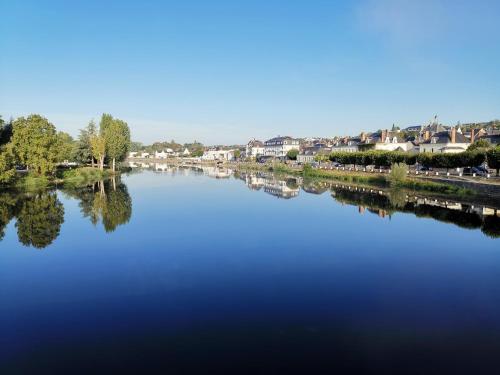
pixel 34 143
pixel 387 158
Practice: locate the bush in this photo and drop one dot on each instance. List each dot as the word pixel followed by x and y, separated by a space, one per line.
pixel 7 171
pixel 387 158
pixel 479 144
pixel 493 158
pixel 292 154
pixel 398 174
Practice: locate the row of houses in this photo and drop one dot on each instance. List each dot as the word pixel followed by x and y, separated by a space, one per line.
pixel 432 138
pixel 163 154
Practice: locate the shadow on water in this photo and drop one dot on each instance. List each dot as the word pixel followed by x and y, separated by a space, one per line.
pixel 40 215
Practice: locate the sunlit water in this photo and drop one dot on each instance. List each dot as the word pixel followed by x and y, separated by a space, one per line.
pixel 186 271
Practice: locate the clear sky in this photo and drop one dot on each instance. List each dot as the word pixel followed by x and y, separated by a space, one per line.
pixel 223 71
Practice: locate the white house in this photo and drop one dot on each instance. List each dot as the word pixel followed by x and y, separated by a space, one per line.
pixel 186 152
pixel 451 141
pixel 212 155
pixel 347 145
pixel 132 154
pixel 164 153
pixel 391 141
pixel 279 146
pixel 254 149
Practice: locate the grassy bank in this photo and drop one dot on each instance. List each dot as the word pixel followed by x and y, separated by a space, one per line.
pixel 84 176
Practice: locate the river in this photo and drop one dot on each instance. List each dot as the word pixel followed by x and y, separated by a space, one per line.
pixel 207 270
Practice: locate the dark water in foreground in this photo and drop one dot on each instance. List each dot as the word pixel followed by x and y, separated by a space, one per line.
pixel 181 272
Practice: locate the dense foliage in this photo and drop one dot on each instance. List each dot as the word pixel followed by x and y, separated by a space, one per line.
pixel 83 149
pixel 292 154
pixel 39 220
pixel 35 144
pixel 493 157
pixel 116 138
pixel 387 158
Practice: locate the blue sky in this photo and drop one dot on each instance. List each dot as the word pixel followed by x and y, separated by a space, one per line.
pixel 224 71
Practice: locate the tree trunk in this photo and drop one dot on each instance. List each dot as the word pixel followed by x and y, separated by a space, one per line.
pixel 92 161
pixel 101 163
pixel 113 165
pixel 114 183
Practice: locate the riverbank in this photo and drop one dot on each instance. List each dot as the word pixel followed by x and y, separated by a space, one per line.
pixel 365 178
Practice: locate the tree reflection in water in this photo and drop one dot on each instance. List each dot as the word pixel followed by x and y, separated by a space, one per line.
pixel 8 208
pixel 39 220
pixel 395 201
pixel 105 201
pixel 39 216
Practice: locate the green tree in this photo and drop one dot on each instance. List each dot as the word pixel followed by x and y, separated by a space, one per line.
pixel 98 146
pixel 197 153
pixel 35 143
pixel 39 220
pixel 5 132
pixel 493 157
pixel 7 168
pixel 479 144
pixel 292 154
pixel 83 149
pixel 117 139
pixel 66 147
pixel 237 154
pixel 136 146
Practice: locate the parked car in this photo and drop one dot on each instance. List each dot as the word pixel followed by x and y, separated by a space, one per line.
pixel 482 170
pixel 479 171
pixel 423 168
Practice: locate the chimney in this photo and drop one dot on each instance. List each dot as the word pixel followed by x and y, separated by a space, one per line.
pixel 383 136
pixel 427 135
pixel 472 135
pixel 453 135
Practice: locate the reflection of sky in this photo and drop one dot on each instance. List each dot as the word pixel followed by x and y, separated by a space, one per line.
pixel 200 251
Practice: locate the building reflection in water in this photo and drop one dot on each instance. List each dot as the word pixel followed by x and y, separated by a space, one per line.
pixel 381 202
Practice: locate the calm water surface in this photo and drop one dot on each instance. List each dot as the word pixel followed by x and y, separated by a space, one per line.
pixel 205 272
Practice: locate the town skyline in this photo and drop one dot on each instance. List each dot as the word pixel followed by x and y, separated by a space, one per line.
pixel 255 70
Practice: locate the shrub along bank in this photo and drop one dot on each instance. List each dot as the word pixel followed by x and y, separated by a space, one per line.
pixel 388 158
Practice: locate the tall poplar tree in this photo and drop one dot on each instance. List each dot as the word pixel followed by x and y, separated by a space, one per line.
pixel 116 134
